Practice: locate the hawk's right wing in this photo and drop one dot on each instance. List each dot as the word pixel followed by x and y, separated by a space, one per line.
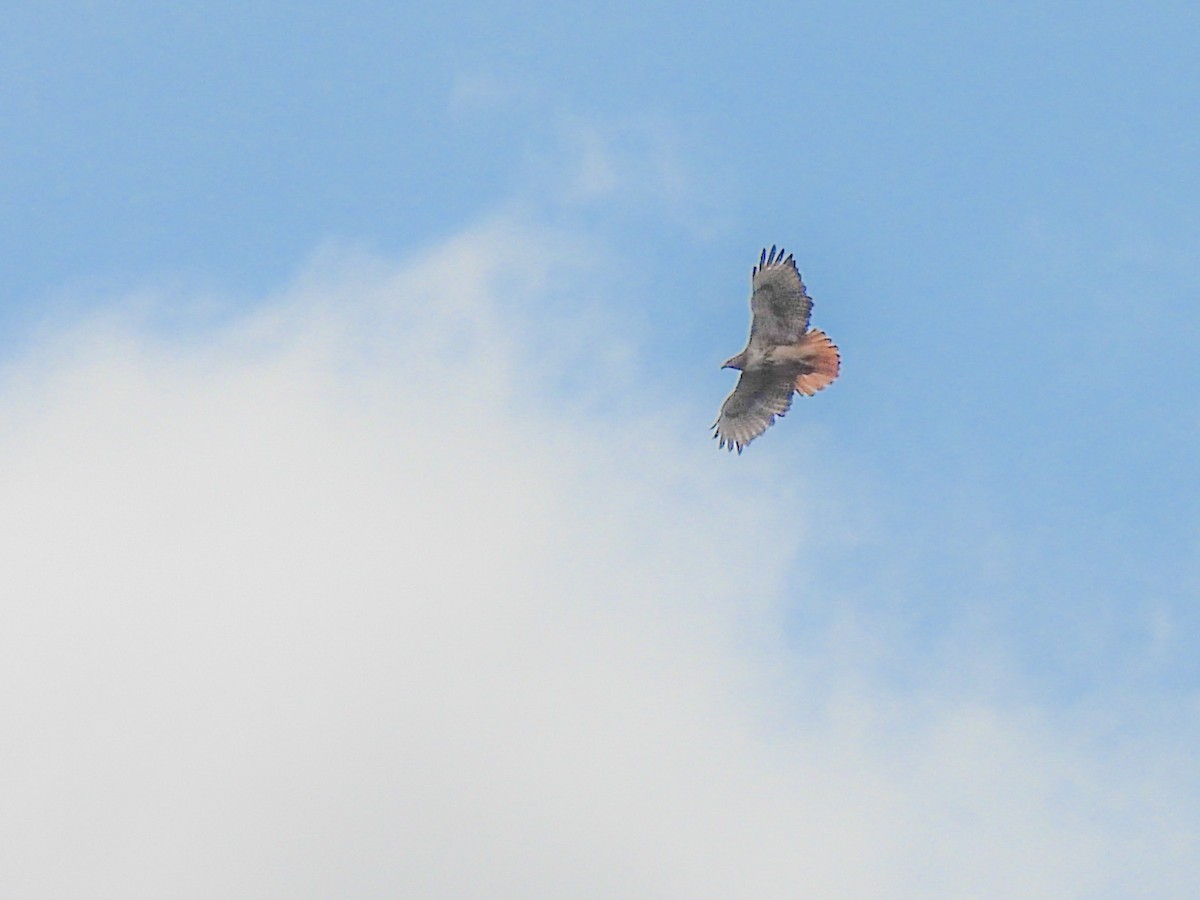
pixel 761 395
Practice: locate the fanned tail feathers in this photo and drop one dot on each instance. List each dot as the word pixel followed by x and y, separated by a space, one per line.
pixel 822 354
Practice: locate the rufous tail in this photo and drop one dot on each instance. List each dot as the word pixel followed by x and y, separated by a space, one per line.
pixel 822 354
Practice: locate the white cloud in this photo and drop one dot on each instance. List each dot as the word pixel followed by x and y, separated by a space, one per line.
pixel 340 601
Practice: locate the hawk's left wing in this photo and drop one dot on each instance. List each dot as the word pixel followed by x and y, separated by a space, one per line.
pixel 780 306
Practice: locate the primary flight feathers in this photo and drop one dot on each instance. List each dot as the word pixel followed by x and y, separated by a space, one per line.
pixel 783 355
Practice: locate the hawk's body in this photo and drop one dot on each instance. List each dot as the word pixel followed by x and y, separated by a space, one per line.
pixel 782 356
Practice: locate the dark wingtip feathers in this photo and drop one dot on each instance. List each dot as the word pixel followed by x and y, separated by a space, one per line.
pixel 728 443
pixel 723 442
pixel 773 257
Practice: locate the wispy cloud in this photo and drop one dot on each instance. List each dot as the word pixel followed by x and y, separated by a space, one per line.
pixel 338 600
pixel 633 162
pixel 581 159
pixel 486 93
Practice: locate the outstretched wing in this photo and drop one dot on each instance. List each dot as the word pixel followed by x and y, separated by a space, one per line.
pixel 779 306
pixel 761 395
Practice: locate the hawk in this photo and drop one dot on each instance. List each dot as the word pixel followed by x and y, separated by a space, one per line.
pixel 783 355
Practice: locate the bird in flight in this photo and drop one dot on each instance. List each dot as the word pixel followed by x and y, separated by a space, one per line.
pixel 783 355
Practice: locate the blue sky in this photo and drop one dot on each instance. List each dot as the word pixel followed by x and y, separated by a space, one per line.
pixel 994 207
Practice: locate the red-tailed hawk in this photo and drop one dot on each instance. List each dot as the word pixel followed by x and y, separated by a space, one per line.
pixel 783 355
